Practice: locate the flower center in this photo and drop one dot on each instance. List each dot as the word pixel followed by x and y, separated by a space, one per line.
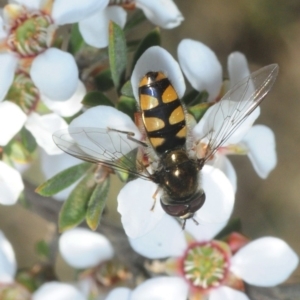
pixel 14 292
pixel 205 265
pixel 23 92
pixel 33 33
pixel 127 4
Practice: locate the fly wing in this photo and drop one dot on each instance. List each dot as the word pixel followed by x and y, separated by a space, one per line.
pixel 102 146
pixel 223 118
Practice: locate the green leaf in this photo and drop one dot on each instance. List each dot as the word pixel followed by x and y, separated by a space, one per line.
pixel 97 203
pixel 132 45
pixel 151 39
pixel 76 39
pixel 28 140
pixel 62 180
pixel 127 105
pixel 131 156
pixel 103 80
pixel 27 280
pixel 234 225
pixel 122 175
pixel 199 110
pixel 117 53
pixel 95 98
pixel 42 249
pixel 15 151
pixel 74 209
pixel 137 18
pixel 194 97
pixel 126 89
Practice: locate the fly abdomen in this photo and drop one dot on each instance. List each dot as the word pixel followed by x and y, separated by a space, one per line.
pixel 162 113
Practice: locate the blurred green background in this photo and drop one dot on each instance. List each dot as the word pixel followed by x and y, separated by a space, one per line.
pixel 265 31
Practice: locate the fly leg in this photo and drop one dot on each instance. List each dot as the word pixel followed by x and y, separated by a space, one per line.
pixel 184 222
pixel 130 136
pixel 154 198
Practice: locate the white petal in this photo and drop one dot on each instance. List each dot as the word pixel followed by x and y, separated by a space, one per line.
pixel 267 261
pixel 64 13
pixel 58 291
pixel 119 293
pixel 238 70
pixel 163 13
pixel 42 128
pixel 237 67
pixel 219 201
pixel 92 249
pixel 55 73
pixel 31 4
pixel 227 293
pixel 8 64
pixel 53 164
pixel 223 163
pixel 104 117
pixel 161 288
pixel 260 141
pixel 12 118
pixel 3 33
pixel 157 59
pixel 204 232
pixel 216 123
pixel 158 243
pixel 8 264
pixel 11 184
pixel 201 67
pixel 94 29
pixel 134 204
pixel 69 107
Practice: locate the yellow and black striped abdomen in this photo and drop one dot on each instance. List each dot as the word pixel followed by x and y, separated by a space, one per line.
pixel 162 113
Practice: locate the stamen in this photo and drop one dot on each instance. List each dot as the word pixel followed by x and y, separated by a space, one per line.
pixel 30 33
pixel 205 265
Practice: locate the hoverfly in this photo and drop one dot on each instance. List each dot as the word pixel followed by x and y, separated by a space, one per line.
pixel 167 138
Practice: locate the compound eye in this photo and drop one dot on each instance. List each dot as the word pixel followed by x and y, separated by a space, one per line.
pixel 197 201
pixel 175 210
pixel 185 209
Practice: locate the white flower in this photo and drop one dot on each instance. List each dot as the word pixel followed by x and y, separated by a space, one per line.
pixel 8 264
pixel 26 35
pixel 12 118
pixel 11 184
pixel 203 70
pixel 92 249
pixel 214 268
pixel 32 70
pixel 159 288
pixel 58 291
pixel 138 194
pixel 94 29
pixel 163 13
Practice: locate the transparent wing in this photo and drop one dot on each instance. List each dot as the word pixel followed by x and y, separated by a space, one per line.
pixel 102 146
pixel 223 118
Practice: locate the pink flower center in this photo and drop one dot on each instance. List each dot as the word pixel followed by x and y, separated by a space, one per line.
pixel 205 265
pixel 31 33
pixel 23 92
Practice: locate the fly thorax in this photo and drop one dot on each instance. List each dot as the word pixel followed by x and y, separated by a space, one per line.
pixel 179 175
